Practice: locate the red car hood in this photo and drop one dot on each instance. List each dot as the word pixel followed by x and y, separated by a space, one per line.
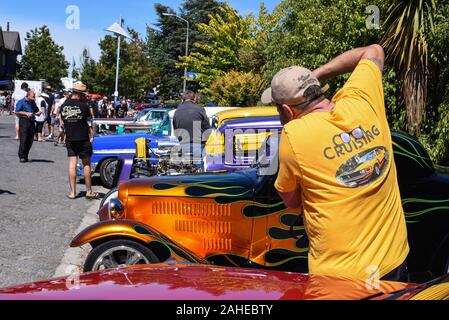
pixel 195 282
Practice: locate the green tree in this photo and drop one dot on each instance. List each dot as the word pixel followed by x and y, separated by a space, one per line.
pixel 166 42
pixel 315 31
pixel 407 27
pixel 233 42
pixel 88 72
pixel 435 132
pixel 43 58
pixel 240 89
pixel 136 76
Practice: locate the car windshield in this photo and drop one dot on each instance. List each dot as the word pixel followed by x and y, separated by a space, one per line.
pixel 164 129
pixel 156 115
pixel 140 114
pixel 368 157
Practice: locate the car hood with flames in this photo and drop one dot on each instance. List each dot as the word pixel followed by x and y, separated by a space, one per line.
pixel 229 185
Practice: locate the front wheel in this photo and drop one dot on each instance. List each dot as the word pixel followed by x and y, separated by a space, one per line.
pixel 108 170
pixel 118 254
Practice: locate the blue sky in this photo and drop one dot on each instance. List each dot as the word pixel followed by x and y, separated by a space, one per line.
pixel 95 16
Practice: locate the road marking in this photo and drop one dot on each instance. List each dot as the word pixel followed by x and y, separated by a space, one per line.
pixel 74 258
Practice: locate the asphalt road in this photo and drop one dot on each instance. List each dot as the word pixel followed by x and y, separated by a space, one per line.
pixel 37 221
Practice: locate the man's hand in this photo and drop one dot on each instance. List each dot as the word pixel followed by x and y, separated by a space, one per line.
pixel 348 61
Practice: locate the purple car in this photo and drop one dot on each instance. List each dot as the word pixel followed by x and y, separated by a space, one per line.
pixel 234 158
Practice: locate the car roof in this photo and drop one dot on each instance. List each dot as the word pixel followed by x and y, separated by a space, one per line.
pixel 246 112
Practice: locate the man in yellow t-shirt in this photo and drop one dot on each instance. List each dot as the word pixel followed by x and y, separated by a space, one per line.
pixel 336 163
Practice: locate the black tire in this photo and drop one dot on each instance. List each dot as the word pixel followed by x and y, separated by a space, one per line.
pixel 101 249
pixel 110 195
pixel 107 174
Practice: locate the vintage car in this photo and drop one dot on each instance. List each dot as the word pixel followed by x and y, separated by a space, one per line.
pixel 247 136
pixel 154 163
pixel 107 149
pixel 144 120
pixel 205 282
pixel 238 219
pixel 366 167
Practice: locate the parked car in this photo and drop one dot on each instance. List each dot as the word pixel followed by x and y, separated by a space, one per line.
pixel 144 120
pixel 149 163
pixel 238 219
pixel 205 282
pixel 107 149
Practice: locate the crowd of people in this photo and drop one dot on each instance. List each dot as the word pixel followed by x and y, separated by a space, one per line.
pixel 106 108
pixel 66 120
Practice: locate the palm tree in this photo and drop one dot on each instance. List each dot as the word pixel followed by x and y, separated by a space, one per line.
pixel 405 44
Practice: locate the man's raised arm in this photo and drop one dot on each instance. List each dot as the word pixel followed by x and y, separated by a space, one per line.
pixel 348 61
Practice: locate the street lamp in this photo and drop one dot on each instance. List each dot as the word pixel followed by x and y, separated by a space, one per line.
pixel 187 43
pixel 118 31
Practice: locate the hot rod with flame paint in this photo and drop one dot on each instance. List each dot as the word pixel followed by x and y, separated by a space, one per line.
pixel 237 219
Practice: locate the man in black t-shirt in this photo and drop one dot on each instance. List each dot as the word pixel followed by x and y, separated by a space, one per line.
pixel 122 111
pixel 74 116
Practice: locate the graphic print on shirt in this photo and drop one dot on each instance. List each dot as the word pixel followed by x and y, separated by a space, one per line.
pixel 72 113
pixel 364 168
pixel 365 165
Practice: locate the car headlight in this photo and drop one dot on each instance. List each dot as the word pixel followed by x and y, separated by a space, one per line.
pixel 116 209
pixel 362 171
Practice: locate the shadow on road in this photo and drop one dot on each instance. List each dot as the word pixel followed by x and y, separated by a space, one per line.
pixel 83 195
pixel 42 161
pixel 5 137
pixel 6 192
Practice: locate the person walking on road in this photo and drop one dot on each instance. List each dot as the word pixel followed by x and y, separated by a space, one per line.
pixel 41 119
pixel 26 110
pixel 353 214
pixel 50 100
pixel 16 97
pixel 74 116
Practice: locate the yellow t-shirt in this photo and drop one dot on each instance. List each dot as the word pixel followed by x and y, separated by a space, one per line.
pixel 349 190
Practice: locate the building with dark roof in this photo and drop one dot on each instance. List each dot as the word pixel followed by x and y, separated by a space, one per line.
pixel 10 48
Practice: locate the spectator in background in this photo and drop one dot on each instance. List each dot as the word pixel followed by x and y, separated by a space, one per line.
pixel 2 103
pixel 40 119
pixel 16 97
pixel 192 125
pixel 26 111
pixel 111 109
pixel 8 102
pixel 93 105
pixel 61 136
pixel 50 100
pixel 123 110
pixel 103 107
